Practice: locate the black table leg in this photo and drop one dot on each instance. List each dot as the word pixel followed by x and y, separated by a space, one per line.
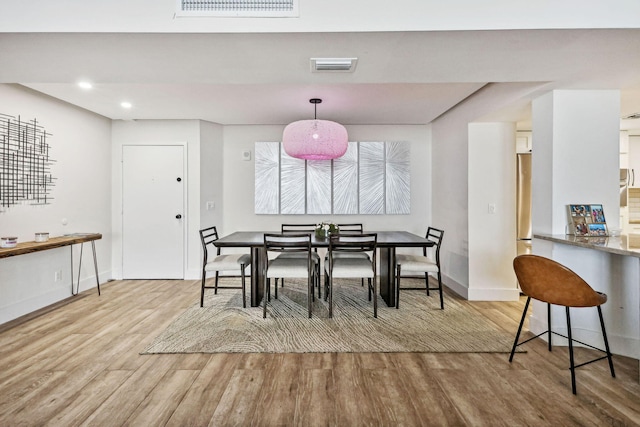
pixel 257 275
pixel 388 275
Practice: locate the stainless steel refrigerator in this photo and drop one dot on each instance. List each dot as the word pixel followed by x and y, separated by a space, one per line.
pixel 523 203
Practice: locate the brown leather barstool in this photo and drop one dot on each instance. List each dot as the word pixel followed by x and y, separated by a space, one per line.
pixel 548 281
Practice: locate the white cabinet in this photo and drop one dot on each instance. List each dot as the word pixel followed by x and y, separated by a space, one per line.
pixel 633 205
pixel 624 150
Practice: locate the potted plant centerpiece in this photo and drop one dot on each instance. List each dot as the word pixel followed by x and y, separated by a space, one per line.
pixel 325 228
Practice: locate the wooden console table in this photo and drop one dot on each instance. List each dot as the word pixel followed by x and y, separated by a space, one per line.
pixel 58 242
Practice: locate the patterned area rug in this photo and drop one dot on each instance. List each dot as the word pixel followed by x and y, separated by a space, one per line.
pixel 223 326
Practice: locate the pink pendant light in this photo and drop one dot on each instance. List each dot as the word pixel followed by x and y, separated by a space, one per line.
pixel 315 139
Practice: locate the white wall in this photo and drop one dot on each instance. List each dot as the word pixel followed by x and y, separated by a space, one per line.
pixel 451 163
pixel 492 181
pixel 211 173
pixel 80 144
pixel 326 15
pixel 576 160
pixel 238 204
pixel 634 157
pixel 160 132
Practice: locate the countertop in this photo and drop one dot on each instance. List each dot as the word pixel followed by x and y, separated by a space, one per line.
pixel 621 245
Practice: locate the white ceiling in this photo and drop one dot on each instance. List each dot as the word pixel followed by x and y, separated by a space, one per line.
pixel 401 77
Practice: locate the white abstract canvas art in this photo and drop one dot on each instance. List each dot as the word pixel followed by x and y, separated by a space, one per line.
pixel 318 187
pixel 292 185
pixel 398 179
pixel 372 178
pixel 267 178
pixel 345 182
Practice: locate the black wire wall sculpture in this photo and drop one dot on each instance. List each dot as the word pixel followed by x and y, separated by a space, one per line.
pixel 25 163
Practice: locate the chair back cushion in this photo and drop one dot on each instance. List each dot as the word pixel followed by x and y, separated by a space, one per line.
pixel 549 281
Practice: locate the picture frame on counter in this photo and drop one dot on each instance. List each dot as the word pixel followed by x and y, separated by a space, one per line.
pixel 587 220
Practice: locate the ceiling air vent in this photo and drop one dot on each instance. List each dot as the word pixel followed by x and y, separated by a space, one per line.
pixel 339 65
pixel 238 8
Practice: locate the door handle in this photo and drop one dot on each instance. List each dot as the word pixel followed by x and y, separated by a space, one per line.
pixel 178 216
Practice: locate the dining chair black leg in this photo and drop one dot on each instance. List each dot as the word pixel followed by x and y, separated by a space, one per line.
pixel 204 278
pixel 326 286
pixel 440 290
pixel 375 298
pixel 330 296
pixel 215 291
pixel 265 297
pixel 276 287
pixel 426 281
pixel 369 288
pixel 310 291
pixel 398 287
pixel 244 291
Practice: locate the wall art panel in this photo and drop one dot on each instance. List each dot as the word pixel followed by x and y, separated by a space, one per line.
pixel 25 162
pixel 372 178
pixel 318 187
pixel 398 178
pixel 292 185
pixel 267 177
pixel 345 182
pixel 371 170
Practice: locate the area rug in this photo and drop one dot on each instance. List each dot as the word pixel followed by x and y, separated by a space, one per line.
pixel 223 326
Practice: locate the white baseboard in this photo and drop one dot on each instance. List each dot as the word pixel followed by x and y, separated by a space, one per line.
pixel 456 287
pixel 31 304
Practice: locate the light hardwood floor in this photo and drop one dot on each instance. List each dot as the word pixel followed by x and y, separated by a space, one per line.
pixel 79 364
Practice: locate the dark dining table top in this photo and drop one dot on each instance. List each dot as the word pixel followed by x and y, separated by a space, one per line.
pixel 385 239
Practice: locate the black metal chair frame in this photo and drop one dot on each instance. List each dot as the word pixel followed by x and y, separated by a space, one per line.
pixel 208 236
pixel 351 228
pixel 570 340
pixel 302 228
pixel 435 235
pixel 352 243
pixel 298 243
pixel 355 227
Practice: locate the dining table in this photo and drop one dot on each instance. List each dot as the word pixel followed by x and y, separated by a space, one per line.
pixel 387 243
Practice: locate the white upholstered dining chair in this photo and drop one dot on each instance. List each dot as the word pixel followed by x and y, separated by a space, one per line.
pixel 293 260
pixel 422 264
pixel 221 262
pixel 343 262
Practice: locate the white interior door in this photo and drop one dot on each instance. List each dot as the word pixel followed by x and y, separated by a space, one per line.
pixel 153 212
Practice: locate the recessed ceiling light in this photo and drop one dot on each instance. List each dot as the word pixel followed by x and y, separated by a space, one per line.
pixel 126 104
pixel 85 85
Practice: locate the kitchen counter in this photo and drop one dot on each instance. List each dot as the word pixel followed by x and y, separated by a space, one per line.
pixel 619 245
pixel 617 276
